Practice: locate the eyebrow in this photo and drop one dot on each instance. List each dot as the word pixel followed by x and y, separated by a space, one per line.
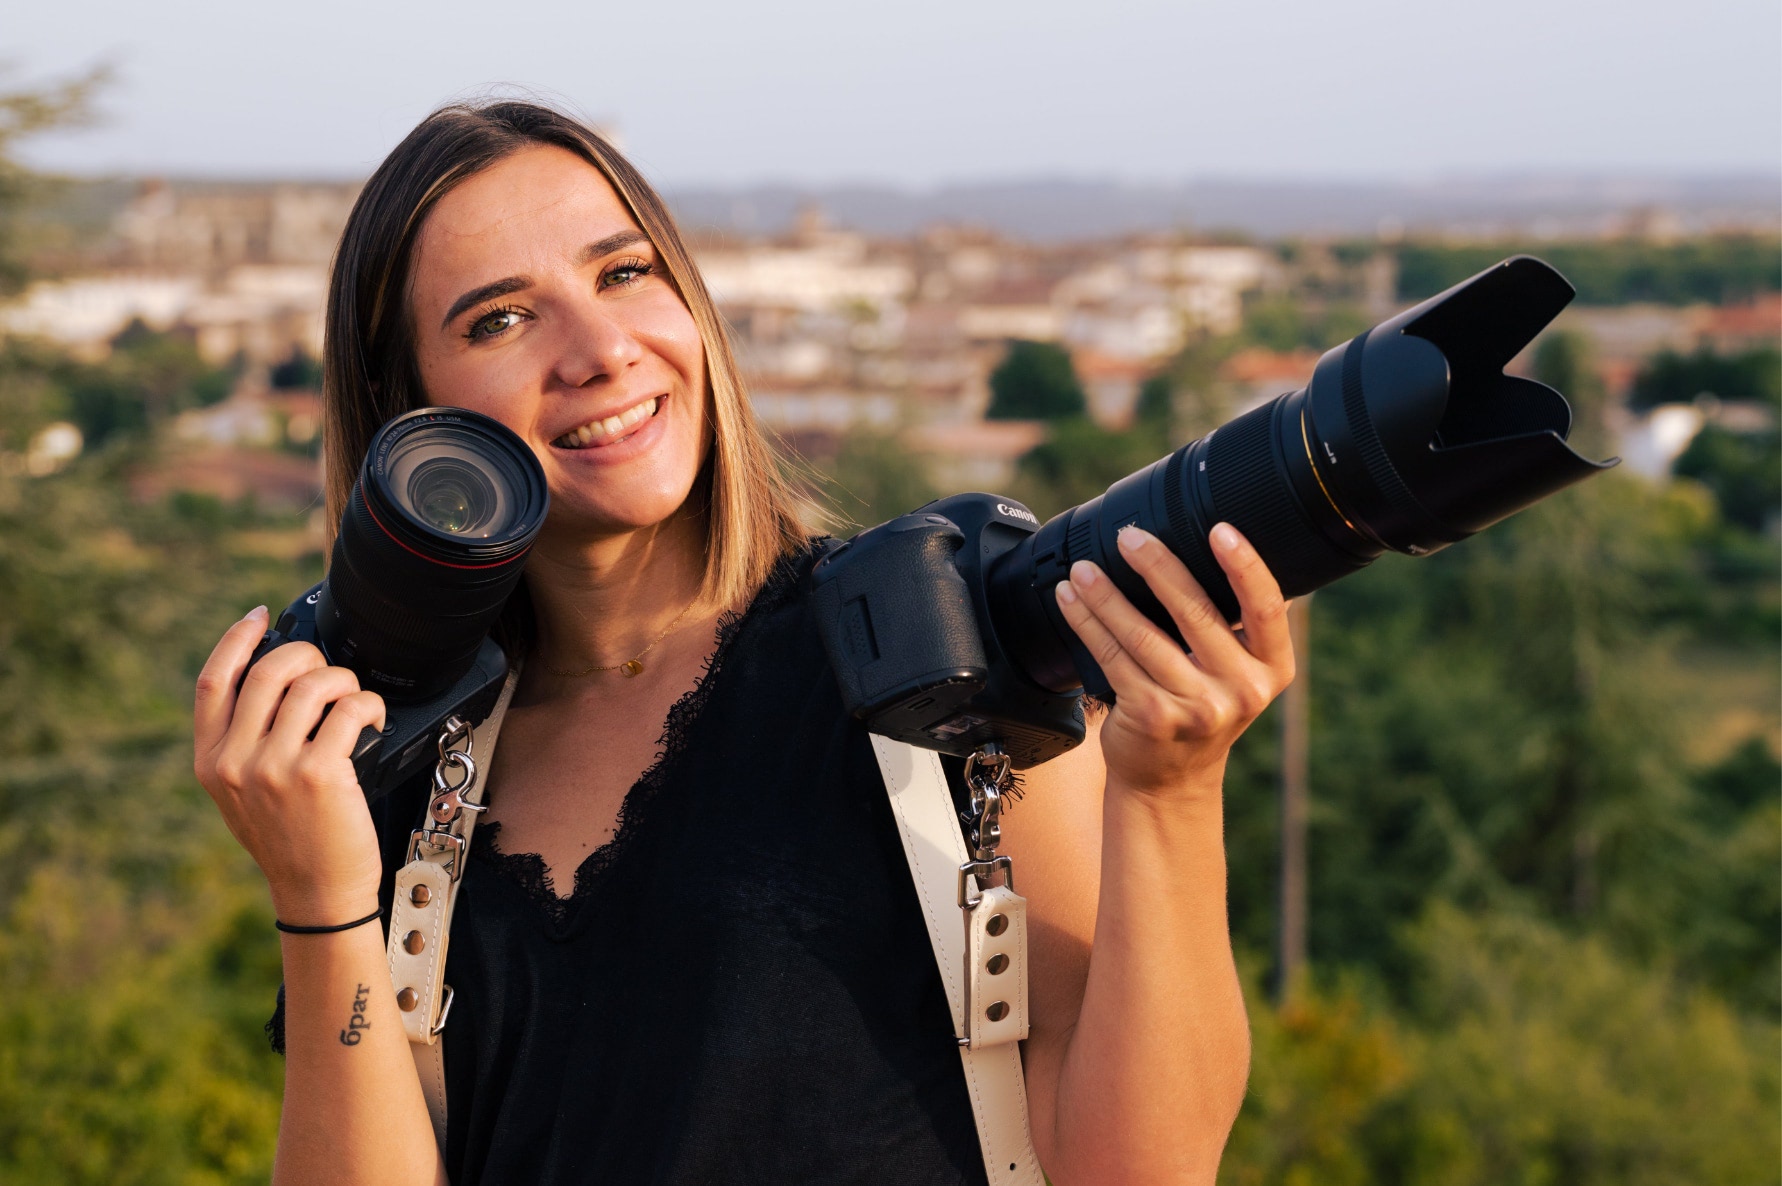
pixel 511 284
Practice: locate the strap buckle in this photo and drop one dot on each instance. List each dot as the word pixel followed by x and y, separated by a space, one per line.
pixel 983 872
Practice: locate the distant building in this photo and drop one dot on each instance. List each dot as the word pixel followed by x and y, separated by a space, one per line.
pixel 209 228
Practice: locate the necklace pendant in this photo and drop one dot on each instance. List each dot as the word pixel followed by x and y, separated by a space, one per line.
pixel 631 668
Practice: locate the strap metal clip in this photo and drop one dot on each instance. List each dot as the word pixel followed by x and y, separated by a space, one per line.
pixel 987 774
pixel 450 801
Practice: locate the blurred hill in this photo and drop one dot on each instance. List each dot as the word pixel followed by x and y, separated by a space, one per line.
pixel 1062 209
pixel 82 211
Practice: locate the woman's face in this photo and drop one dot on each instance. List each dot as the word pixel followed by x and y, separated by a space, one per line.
pixel 537 300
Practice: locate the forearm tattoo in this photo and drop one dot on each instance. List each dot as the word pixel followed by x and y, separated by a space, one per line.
pixel 356 1024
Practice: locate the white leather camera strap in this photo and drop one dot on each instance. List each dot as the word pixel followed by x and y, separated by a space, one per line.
pixel 979 937
pixel 426 891
pixel 978 931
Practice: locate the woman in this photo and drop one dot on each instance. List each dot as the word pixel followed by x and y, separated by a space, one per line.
pixel 739 986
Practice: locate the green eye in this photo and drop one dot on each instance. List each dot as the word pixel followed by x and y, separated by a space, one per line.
pixel 493 324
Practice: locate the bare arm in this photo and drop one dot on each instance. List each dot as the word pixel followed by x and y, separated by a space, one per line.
pixel 353 1110
pixel 1140 1047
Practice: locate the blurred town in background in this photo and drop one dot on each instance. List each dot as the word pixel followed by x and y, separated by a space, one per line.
pixel 847 334
pixel 1545 831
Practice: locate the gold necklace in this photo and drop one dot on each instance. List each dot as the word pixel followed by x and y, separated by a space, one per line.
pixel 632 666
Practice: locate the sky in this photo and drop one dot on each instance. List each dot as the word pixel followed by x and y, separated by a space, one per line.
pixel 921 93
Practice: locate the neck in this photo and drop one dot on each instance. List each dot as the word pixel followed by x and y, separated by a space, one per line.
pixel 601 600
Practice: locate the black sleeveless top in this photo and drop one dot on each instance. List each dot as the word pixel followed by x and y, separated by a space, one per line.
pixel 741 988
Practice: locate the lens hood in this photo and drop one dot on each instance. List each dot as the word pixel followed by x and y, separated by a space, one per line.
pixel 1418 437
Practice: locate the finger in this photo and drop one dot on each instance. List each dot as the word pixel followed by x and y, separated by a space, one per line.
pixel 1259 596
pixel 340 732
pixel 1123 674
pixel 213 701
pixel 1214 642
pixel 305 700
pixel 1155 654
pixel 265 686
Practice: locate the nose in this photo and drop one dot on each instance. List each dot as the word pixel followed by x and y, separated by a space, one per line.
pixel 596 345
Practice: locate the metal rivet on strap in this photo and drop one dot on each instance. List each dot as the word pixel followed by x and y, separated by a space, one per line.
pixel 998 964
pixel 414 944
pixel 407 1000
pixel 996 1012
pixel 998 924
pixel 420 895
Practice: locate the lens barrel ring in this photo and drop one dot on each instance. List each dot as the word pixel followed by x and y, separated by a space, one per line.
pixel 1246 484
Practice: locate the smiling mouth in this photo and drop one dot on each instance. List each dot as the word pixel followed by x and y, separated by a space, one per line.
pixel 612 429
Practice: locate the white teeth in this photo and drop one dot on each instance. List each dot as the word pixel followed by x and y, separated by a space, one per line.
pixel 611 426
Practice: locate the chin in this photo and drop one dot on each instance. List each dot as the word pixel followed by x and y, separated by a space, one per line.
pixel 582 517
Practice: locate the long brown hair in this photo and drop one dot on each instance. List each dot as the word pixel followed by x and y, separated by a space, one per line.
pixel 369 369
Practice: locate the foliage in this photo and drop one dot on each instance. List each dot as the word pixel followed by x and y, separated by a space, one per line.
pixel 1722 269
pixel 875 478
pixel 1496 725
pixel 23 114
pixel 1673 378
pixel 1081 460
pixel 147 378
pixel 1743 470
pixel 136 951
pixel 1521 1054
pixel 1035 381
pixel 1563 361
pixel 1284 324
pixel 300 372
pixel 1156 402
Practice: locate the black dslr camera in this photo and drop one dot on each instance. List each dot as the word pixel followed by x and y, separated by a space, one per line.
pixel 431 544
pixel 942 627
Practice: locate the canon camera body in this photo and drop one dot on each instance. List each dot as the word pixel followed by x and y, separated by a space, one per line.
pixel 942 625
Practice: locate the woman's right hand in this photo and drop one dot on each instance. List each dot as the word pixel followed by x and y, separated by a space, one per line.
pixel 292 801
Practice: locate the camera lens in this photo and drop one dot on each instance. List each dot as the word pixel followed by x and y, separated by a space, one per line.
pixel 446 493
pixel 451 497
pixel 431 544
pixel 1408 438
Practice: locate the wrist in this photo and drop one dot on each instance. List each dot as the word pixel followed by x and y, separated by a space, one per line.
pixel 316 908
pixel 1189 793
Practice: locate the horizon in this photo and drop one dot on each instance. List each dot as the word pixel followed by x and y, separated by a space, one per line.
pixel 935 94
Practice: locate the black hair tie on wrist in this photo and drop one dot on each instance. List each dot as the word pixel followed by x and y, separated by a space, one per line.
pixel 288 929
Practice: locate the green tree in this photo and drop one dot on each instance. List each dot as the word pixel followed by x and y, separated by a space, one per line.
pixel 1080 460
pixel 299 372
pixel 1672 378
pixel 1285 323
pixel 1742 469
pixel 23 114
pixel 137 960
pixel 1716 269
pixel 1035 381
pixel 874 478
pixel 1563 361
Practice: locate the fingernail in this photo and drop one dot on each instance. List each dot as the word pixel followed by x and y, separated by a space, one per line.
pixel 1065 594
pixel 1083 573
pixel 259 611
pixel 1132 537
pixel 1225 537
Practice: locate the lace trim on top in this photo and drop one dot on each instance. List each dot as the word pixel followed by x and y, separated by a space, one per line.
pixel 528 869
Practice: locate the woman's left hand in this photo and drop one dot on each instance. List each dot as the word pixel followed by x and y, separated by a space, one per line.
pixel 1177 712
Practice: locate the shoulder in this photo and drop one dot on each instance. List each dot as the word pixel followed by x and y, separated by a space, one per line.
pixel 783 600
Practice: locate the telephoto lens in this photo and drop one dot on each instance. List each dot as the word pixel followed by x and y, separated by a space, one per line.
pixel 1408 438
pixel 431 545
